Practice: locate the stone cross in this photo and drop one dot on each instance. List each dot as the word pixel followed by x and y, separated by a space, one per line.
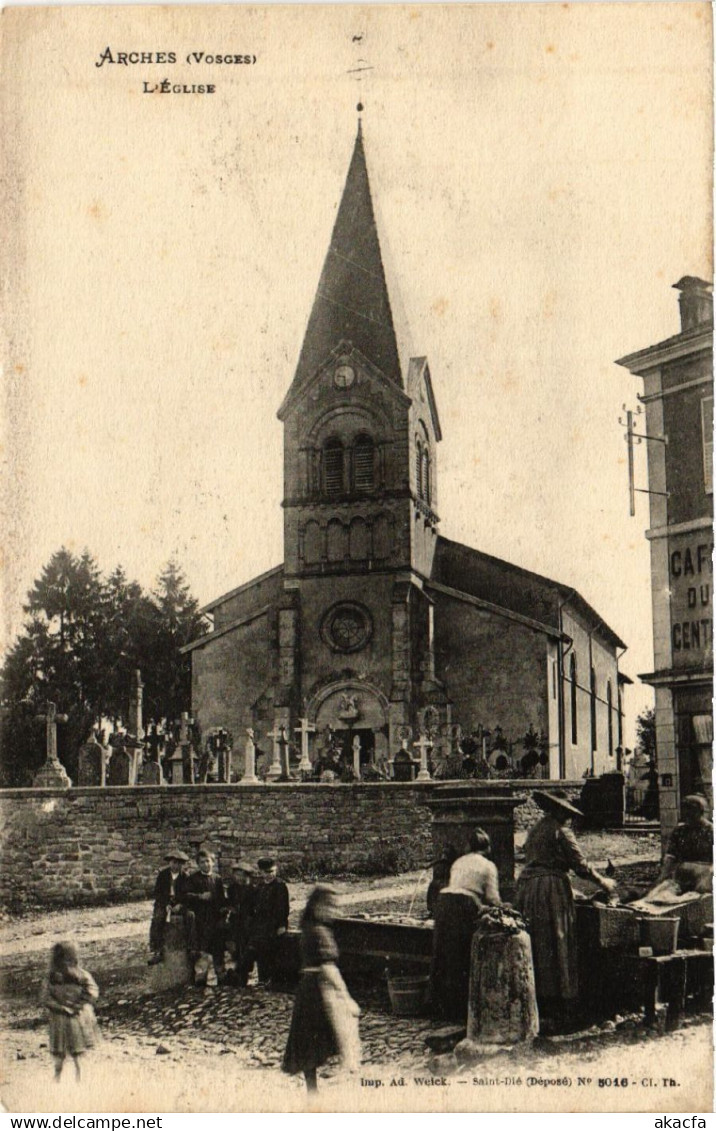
pixel 423 744
pixel 304 730
pixel 52 775
pixel 275 769
pixel 283 751
pixel 356 755
pixel 249 777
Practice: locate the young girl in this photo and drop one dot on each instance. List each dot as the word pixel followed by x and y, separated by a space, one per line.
pixel 325 1017
pixel 68 995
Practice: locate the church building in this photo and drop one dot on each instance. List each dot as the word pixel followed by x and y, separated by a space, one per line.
pixel 376 625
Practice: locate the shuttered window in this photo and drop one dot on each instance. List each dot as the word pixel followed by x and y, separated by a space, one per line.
pixel 333 467
pixel 363 475
pixel 419 470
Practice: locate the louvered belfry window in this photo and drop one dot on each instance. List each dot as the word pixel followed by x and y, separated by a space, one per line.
pixel 333 467
pixel 363 475
pixel 419 469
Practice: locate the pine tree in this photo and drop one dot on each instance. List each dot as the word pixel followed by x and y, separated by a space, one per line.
pixel 177 621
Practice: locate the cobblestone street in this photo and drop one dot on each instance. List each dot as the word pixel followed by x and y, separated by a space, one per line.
pixel 219 1049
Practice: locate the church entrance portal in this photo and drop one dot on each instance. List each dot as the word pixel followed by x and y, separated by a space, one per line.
pixel 352 710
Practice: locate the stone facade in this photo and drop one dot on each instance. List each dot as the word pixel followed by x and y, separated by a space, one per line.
pixel 678 397
pixel 374 619
pixel 88 846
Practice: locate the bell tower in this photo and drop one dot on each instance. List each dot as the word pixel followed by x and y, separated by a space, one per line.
pixel 360 499
pixel 360 482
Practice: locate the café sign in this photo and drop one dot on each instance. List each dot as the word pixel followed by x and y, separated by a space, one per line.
pixel 691 590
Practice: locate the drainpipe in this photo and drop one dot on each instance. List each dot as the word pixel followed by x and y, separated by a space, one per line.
pixel 560 684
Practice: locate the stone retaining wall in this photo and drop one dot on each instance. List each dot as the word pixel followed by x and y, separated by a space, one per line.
pixel 102 845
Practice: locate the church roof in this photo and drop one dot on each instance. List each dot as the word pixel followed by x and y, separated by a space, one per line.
pixel 529 594
pixel 352 300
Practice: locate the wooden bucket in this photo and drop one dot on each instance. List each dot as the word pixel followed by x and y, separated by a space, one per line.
pixel 407 995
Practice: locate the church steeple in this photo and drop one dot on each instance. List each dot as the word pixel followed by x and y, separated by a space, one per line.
pixel 352 302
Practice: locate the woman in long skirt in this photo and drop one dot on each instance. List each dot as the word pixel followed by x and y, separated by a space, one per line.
pixel 544 897
pixel 325 1017
pixel 473 886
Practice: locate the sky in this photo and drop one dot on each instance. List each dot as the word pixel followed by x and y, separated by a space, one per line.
pixel 541 176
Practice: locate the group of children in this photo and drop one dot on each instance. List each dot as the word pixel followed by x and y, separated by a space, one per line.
pixel 325 1016
pixel 247 918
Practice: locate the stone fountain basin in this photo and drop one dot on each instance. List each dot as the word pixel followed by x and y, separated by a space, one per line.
pixel 368 946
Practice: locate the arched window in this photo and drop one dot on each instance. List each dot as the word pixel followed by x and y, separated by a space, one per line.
pixel 610 722
pixel 423 486
pixel 573 696
pixel 363 465
pixel 593 706
pixel 427 486
pixel 333 467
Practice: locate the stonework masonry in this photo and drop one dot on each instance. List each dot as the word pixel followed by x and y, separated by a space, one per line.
pixel 92 846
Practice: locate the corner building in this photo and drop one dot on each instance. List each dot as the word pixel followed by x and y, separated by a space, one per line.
pixel 376 623
pixel 679 406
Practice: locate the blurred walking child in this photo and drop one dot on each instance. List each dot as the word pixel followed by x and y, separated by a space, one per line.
pixel 68 995
pixel 325 1016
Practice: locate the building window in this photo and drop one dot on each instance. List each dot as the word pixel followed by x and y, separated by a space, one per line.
pixel 610 721
pixel 423 485
pixel 707 438
pixel 333 467
pixel 426 476
pixel 593 706
pixel 363 465
pixel 573 696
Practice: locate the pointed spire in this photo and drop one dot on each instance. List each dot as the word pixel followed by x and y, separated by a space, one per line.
pixel 352 300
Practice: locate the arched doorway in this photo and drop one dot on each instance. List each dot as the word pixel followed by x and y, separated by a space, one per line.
pixel 357 714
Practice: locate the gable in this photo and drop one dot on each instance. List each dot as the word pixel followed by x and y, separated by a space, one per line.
pixel 346 376
pixel 420 391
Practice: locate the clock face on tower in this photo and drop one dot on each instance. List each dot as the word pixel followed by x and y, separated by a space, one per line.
pixel 344 377
pixel 347 627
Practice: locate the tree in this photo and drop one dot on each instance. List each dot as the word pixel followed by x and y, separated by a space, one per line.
pixel 176 622
pixel 84 637
pixel 56 659
pixel 646 733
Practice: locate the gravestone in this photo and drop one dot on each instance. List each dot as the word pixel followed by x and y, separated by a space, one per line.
pixel 119 771
pixel 90 764
pixel 151 774
pixel 404 766
pixel 52 775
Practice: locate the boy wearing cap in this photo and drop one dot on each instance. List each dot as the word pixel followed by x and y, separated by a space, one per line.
pixel 206 901
pixel 241 899
pixel 269 920
pixel 169 894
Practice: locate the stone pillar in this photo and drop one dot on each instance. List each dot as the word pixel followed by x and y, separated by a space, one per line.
pixel 249 777
pixel 274 770
pixel 502 1005
pixel 458 809
pixel 135 726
